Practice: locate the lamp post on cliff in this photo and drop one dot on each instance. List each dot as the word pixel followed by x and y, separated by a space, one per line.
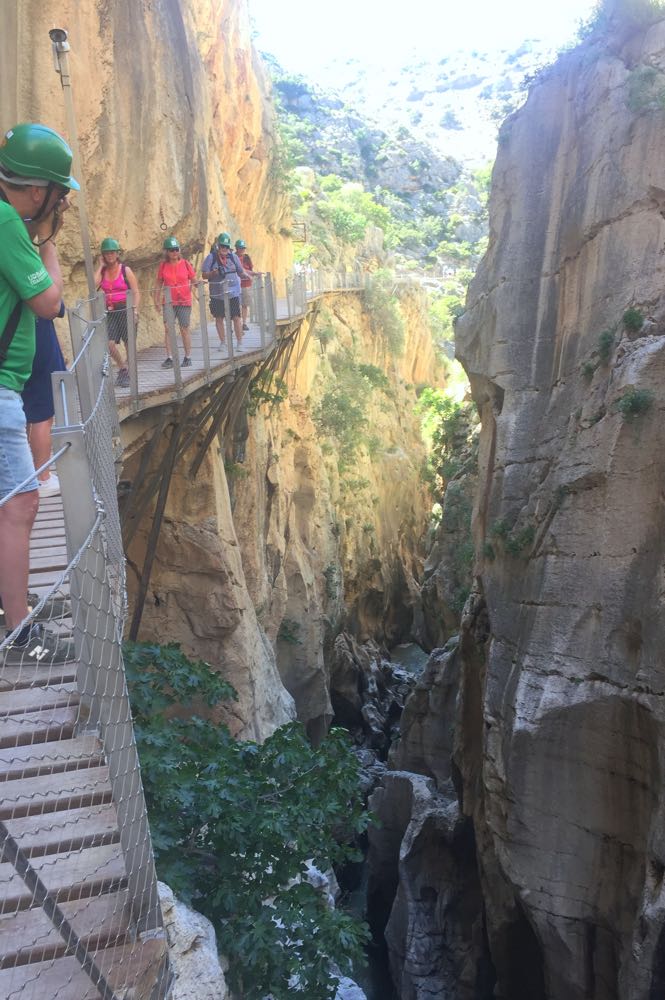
pixel 60 47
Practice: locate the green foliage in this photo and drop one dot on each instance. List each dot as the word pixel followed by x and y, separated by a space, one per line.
pixel 342 411
pixel 443 311
pixel 324 330
pixel 350 210
pixel 383 307
pixel 500 529
pixel 605 346
pixel 289 632
pixel 266 388
pixel 633 320
pixel 634 402
pixel 517 542
pixel 446 427
pixel 235 824
pixel 588 369
pixel 488 551
pixel 331 576
pixel 612 14
pixel 646 89
pixel 235 470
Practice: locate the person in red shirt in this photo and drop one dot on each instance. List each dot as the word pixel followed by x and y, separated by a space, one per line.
pixel 178 275
pixel 245 283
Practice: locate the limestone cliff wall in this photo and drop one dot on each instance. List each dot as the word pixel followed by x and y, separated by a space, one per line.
pixel 561 742
pixel 326 549
pixel 174 121
pixel 272 549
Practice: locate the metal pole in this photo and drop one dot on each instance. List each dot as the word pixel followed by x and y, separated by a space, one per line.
pixel 203 321
pixel 260 298
pixel 131 353
pixel 173 339
pixel 60 47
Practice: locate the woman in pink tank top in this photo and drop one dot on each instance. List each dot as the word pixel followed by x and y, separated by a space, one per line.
pixel 115 279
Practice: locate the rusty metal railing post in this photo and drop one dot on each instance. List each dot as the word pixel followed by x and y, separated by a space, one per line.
pixel 203 321
pixel 132 361
pixel 173 340
pixel 261 309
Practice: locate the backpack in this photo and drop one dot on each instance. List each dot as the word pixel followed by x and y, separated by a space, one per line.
pixel 9 331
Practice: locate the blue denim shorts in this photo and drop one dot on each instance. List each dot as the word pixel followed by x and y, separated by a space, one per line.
pixel 16 465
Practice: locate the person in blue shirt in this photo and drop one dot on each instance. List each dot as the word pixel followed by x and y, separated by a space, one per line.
pixel 37 397
pixel 223 271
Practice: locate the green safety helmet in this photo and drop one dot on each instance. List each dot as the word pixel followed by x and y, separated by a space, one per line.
pixel 224 240
pixel 171 243
pixel 109 244
pixel 33 153
pixel 241 245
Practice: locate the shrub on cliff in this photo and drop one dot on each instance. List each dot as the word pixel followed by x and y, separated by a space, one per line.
pixel 631 14
pixel 383 307
pixel 235 824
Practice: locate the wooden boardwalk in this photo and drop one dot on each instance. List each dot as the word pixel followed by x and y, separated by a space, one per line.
pixel 56 802
pixel 157 385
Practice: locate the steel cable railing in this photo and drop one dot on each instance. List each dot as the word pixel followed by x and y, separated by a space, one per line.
pixel 79 911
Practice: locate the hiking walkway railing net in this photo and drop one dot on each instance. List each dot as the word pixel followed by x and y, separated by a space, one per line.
pixel 271 308
pixel 79 910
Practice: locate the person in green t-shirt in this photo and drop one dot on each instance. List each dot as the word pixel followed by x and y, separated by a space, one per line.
pixel 35 182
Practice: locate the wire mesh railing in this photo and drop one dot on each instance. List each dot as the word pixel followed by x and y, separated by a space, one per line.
pixel 79 911
pixel 207 328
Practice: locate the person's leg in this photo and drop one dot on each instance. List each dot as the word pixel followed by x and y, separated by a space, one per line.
pixel 186 340
pixel 18 514
pixel 245 294
pixel 115 353
pixel 39 436
pixel 16 519
pixel 114 328
pixel 217 310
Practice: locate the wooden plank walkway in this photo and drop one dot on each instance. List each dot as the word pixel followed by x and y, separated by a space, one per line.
pixel 157 385
pixel 56 801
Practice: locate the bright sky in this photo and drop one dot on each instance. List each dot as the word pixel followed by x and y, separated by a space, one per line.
pixel 304 33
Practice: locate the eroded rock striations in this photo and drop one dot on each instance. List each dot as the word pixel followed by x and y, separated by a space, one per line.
pixel 553 702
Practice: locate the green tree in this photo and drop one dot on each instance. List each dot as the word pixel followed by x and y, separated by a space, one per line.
pixel 235 824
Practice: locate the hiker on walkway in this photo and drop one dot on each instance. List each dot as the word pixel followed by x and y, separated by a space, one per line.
pixel 179 276
pixel 37 399
pixel 115 279
pixel 35 181
pixel 245 283
pixel 224 271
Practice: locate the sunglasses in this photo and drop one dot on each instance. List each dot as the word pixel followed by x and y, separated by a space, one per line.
pixel 174 249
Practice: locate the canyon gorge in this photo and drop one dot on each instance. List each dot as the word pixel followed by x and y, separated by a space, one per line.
pixel 519 851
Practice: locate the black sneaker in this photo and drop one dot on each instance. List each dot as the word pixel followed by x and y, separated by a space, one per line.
pixel 42 647
pixel 186 362
pixel 245 327
pixel 167 363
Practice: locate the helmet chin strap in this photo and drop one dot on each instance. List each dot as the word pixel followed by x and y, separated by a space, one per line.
pixel 42 212
pixel 42 209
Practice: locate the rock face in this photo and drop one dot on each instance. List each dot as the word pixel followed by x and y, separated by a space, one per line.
pixel 327 548
pixel 276 548
pixel 560 735
pixel 195 963
pixel 175 127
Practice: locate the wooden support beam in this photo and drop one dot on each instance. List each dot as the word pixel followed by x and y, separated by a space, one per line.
pixel 239 387
pixel 144 465
pixel 168 466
